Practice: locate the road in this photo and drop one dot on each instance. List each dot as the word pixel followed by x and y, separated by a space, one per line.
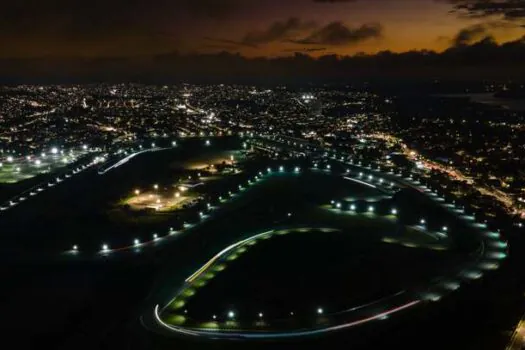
pixel 126 159
pixel 517 341
pixel 504 198
pixel 486 260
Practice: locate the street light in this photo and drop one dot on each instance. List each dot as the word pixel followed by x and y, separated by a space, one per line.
pixel 155 236
pixel 231 314
pixel 320 311
pixel 352 207
pixel 75 248
pixel 394 211
pixel 422 221
pixel 137 192
pixel 445 228
pixel 338 205
pixel 156 186
pixel 370 209
pixel 136 242
pixel 260 314
pixel 105 247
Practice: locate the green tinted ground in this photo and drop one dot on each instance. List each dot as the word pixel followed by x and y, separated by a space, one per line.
pixel 22 169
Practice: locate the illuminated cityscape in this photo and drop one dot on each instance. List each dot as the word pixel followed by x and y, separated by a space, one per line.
pixel 299 174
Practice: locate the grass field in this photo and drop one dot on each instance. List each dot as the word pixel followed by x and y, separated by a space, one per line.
pixel 299 271
pixel 372 256
pixel 20 169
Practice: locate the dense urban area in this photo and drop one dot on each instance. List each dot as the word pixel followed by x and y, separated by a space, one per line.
pixel 116 193
pixel 472 150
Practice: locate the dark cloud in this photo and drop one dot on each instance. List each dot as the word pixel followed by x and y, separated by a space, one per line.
pixel 229 42
pixel 334 1
pixel 478 31
pixel 278 31
pixel 103 18
pixel 482 59
pixel 306 49
pixel 337 33
pixel 470 34
pixel 216 9
pixel 507 9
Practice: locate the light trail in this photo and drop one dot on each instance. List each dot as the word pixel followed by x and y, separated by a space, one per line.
pixel 128 158
pixel 274 335
pixel 221 253
pixel 360 182
pixel 505 199
pixel 402 304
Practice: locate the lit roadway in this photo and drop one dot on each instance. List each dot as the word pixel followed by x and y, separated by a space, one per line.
pixel 489 256
pixel 452 172
pixel 128 158
pixel 517 341
pixel 378 310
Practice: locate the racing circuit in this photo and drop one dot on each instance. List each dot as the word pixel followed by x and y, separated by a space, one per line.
pixel 491 250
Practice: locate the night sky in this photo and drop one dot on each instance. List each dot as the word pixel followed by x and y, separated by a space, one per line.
pixel 269 28
pixel 217 40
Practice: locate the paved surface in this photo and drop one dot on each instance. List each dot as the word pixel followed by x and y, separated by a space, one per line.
pixel 517 341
